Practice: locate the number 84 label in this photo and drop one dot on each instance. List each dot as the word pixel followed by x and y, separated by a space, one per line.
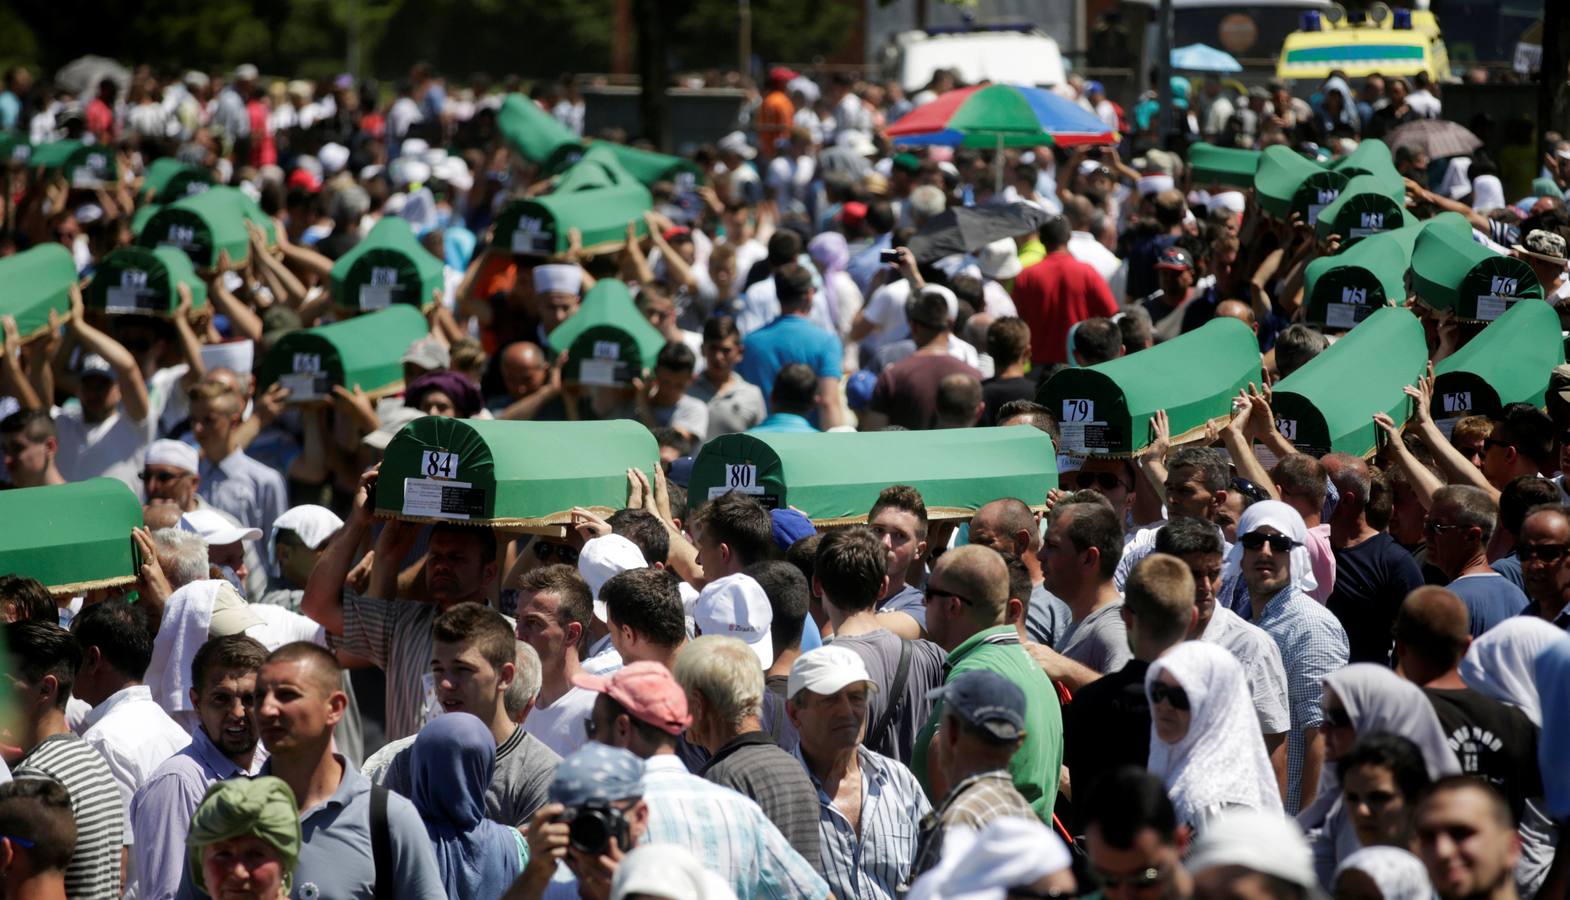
pixel 439 464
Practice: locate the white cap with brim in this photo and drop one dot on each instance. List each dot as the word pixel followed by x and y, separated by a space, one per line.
pixel 602 559
pixel 245 72
pixel 557 278
pixel 239 356
pixel 216 530
pixel 736 606
pixel 180 455
pixel 736 143
pixel 312 524
pixel 668 872
pixel 1154 184
pixel 333 157
pixel 827 670
pixel 231 614
pixel 1000 259
pixel 1265 842
pixel 413 148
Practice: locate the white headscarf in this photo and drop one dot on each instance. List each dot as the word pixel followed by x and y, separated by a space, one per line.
pixel 188 614
pixel 1398 874
pixel 1009 852
pixel 1502 663
pixel 1456 184
pixel 1488 193
pixel 1285 519
pixel 1221 760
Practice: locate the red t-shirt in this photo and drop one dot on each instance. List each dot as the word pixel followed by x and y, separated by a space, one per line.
pixel 1053 296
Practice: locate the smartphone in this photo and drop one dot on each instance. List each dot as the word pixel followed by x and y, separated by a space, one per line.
pixel 889 256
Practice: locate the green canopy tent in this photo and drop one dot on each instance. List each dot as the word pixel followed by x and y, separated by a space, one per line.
pixel 83 165
pixel 1450 271
pixel 389 266
pixel 142 281
pixel 834 478
pixel 607 294
pixel 365 350
pixel 205 225
pixel 596 196
pixel 608 341
pixel 1341 290
pixel 1328 405
pixel 1287 183
pixel 510 474
pixel 170 179
pixel 648 167
pixel 1507 362
pixel 1369 204
pixel 72 537
pixel 36 281
pixel 1224 166
pixel 1372 157
pixel 15 149
pixel 535 135
pixel 1105 410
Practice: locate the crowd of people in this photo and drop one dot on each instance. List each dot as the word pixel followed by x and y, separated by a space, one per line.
pixel 1221 668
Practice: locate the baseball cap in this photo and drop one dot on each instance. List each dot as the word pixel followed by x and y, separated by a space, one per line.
pixel 782 74
pixel 93 364
pixel 827 670
pixel 597 773
pixel 392 423
pixel 999 260
pixel 1559 382
pixel 736 143
pixel 648 692
pixel 986 700
pixel 231 614
pixel 216 530
pixel 859 388
pixel 602 559
pixel 1265 842
pixel 789 526
pixel 427 353
pixel 1175 258
pixel 853 213
pixel 166 452
pixel 245 72
pixel 736 606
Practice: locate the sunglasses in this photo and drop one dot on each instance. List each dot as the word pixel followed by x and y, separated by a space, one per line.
pixel 1338 717
pixel 1436 528
pixel 159 477
pixel 544 550
pixel 1144 878
pixel 932 592
pixel 1249 489
pixel 1548 553
pixel 1491 442
pixel 1175 697
pixel 1280 543
pixel 1107 481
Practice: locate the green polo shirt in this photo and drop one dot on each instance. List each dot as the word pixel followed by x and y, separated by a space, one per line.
pixel 1035 766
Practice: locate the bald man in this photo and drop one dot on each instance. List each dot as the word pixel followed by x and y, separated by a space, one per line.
pixel 530 381
pixel 1492 740
pixel 966 602
pixel 1237 309
pixel 1373 572
pixel 1009 525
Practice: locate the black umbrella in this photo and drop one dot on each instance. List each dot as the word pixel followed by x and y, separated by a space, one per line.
pixel 966 229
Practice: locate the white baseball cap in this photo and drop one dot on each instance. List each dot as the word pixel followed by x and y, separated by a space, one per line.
pixel 216 530
pixel 827 670
pixel 165 452
pixel 604 558
pixel 736 606
pixel 999 260
pixel 312 524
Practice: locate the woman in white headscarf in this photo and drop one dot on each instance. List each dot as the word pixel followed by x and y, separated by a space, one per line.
pixel 1488 194
pixel 1205 742
pixel 1382 873
pixel 1502 664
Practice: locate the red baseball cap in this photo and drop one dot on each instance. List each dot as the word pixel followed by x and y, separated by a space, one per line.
pixel 853 213
pixel 780 74
pixel 305 180
pixel 647 690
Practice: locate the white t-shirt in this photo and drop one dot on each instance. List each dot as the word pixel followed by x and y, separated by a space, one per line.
pixel 886 309
pixel 560 726
pixel 114 448
pixel 168 404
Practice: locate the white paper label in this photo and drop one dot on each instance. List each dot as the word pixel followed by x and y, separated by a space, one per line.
pixel 720 490
pixel 597 371
pixel 1363 232
pixel 374 297
pixel 1457 403
pixel 83 177
pixel 439 464
pixel 607 350
pixel 1288 428
pixel 1493 306
pixel 1067 464
pixel 384 276
pixel 182 236
pixel 741 475
pixel 1354 295
pixel 1340 315
pixel 122 299
pixel 530 236
pixel 1314 210
pixel 301 386
pixel 1078 411
pixel 307 363
pixel 434 499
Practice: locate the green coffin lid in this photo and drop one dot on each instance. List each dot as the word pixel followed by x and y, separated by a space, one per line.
pixel 139 280
pixel 1328 405
pixel 84 165
pixel 140 218
pixel 607 293
pixel 835 477
pixel 71 537
pixel 599 202
pixel 1450 271
pixel 534 134
pixel 1372 157
pixel 1507 362
pixel 1229 166
pixel 649 167
pixel 15 149
pixel 521 474
pixel 1287 183
pixel 608 342
pixel 206 223
pixel 1367 205
pixel 170 179
pixel 390 266
pixel 1105 409
pixel 34 282
pixel 366 350
pixel 1342 290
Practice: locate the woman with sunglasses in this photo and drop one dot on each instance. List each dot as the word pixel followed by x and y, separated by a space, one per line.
pixel 1205 742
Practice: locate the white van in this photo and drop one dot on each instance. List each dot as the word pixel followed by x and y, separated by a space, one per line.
pixel 1021 55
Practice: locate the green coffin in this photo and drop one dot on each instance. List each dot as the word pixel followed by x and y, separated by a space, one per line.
pixel 365 350
pixel 835 477
pixel 1450 271
pixel 608 342
pixel 15 149
pixel 204 224
pixel 84 165
pixel 520 474
pixel 36 281
pixel 1105 409
pixel 1228 166
pixel 1371 157
pixel 140 218
pixel 1328 405
pixel 1507 362
pixel 1369 204
pixel 596 196
pixel 170 179
pixel 1287 183
pixel 143 281
pixel 648 167
pixel 534 134
pixel 390 266
pixel 72 537
pixel 606 295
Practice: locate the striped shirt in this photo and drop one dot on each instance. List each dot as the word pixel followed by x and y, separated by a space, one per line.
pixel 396 636
pixel 94 870
pixel 1313 644
pixel 973 803
pixel 727 831
pixel 872 860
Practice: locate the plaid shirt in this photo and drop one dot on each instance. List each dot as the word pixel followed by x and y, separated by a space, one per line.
pixel 1313 644
pixel 876 862
pixel 973 803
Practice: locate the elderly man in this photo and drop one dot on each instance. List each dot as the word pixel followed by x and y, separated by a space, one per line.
pixel 1460 523
pixel 527 375
pixel 225 544
pixel 967 597
pixel 1009 525
pixel 1312 643
pixel 557 288
pixel 171 479
pixel 867 802
pixel 725 694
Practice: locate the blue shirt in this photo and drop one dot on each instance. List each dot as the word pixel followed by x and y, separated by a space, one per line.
pixel 10 110
pixel 787 340
pixel 783 423
pixel 865 263
pixel 910 600
pixel 1313 644
pixel 1490 599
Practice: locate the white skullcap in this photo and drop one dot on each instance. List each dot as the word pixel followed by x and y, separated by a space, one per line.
pixel 1265 842
pixel 669 872
pixel 557 278
pixel 1010 852
pixel 333 158
pixel 178 454
pixel 413 148
pixel 1231 200
pixel 310 523
pixel 1154 184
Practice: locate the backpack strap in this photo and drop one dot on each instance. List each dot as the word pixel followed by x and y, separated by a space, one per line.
pixel 381 844
pixel 901 673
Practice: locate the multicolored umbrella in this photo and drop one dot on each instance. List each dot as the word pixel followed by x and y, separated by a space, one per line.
pixel 994 116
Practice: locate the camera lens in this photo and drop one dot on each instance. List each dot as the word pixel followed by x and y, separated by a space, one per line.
pixel 590 831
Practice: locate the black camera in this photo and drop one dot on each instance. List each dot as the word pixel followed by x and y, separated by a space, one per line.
pixel 590 829
pixel 889 256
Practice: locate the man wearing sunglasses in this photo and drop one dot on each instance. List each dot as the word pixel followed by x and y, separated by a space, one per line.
pixel 1544 551
pixel 1111 478
pixel 1459 525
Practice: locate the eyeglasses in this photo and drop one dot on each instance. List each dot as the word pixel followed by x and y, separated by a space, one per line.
pixel 1142 879
pixel 932 592
pixel 1175 697
pixel 567 555
pixel 1338 717
pixel 158 477
pixel 1107 481
pixel 1437 528
pixel 1249 489
pixel 1492 442
pixel 1548 553
pixel 1254 540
